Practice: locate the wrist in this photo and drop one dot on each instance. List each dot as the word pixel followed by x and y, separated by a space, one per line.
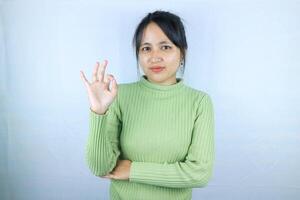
pixel 97 111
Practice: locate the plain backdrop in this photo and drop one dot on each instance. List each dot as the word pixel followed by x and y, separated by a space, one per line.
pixel 245 54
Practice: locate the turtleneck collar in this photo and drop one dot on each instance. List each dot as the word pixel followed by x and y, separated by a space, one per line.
pixel 145 83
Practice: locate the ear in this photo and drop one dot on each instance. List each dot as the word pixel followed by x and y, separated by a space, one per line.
pixel 181 56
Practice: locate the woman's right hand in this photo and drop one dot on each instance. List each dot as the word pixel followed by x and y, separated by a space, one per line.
pixel 99 93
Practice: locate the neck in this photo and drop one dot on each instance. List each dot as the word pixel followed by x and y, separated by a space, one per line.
pixel 167 82
pixel 160 91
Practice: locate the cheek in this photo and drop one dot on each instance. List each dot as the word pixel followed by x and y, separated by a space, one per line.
pixel 143 58
pixel 174 60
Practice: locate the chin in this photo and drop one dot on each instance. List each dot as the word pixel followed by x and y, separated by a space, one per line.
pixel 158 78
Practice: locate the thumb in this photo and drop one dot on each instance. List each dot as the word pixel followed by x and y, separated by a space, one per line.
pixel 114 86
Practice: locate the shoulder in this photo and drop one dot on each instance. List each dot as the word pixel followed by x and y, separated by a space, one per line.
pixel 124 93
pixel 197 94
pixel 126 88
pixel 202 102
pixel 127 85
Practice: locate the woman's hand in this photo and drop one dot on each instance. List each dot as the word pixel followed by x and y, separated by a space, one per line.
pixel 121 171
pixel 99 93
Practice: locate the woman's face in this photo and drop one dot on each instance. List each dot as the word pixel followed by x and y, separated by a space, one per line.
pixel 158 56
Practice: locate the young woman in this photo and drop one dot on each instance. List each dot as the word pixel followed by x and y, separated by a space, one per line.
pixel 154 138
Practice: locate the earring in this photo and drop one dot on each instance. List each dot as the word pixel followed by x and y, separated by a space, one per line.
pixel 181 69
pixel 181 64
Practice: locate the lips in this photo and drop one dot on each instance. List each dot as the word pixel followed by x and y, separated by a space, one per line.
pixel 156 69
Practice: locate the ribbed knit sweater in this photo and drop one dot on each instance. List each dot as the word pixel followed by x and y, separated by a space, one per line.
pixel 167 131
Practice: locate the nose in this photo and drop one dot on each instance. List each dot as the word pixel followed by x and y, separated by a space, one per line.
pixel 155 59
pixel 155 56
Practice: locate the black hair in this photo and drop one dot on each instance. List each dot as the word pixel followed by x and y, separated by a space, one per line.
pixel 172 27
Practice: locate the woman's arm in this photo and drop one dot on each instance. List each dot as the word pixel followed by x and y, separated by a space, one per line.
pixel 102 149
pixel 197 168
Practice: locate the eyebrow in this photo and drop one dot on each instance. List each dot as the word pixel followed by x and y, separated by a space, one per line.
pixel 162 42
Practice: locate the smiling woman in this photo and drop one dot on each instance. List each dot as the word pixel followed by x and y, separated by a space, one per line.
pixel 154 138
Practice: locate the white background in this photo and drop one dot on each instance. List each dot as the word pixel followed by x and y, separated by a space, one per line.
pixel 245 54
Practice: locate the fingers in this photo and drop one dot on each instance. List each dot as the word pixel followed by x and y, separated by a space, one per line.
pixel 96 67
pixel 83 78
pixel 108 176
pixel 101 70
pixel 105 79
pixel 98 73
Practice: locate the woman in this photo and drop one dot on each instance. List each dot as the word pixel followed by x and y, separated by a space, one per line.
pixel 154 138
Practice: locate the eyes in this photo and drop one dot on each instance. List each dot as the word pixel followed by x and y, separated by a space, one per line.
pixel 147 48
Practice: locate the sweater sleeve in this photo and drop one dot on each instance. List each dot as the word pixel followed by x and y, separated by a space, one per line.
pixel 196 170
pixel 102 148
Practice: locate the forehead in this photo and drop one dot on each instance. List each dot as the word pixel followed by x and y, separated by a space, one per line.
pixel 154 35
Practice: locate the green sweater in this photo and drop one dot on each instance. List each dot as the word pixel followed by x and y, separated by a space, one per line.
pixel 166 131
